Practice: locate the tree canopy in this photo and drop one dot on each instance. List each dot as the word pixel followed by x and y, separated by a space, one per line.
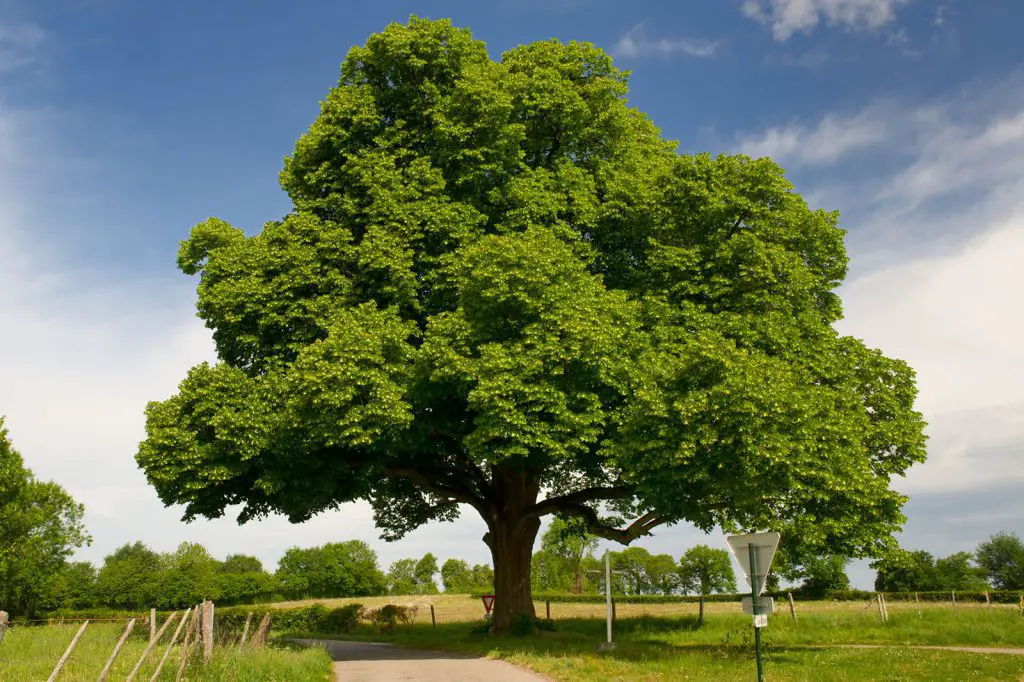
pixel 500 287
pixel 40 526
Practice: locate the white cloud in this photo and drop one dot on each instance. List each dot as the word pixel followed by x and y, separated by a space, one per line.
pixel 787 17
pixel 831 139
pixel 635 43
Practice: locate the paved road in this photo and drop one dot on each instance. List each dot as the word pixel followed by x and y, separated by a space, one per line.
pixel 371 662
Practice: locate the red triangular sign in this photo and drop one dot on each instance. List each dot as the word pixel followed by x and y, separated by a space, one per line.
pixel 488 600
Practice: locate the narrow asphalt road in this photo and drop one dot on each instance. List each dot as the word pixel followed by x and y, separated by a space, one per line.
pixel 372 662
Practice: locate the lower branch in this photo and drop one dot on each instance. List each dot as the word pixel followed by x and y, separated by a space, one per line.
pixel 641 526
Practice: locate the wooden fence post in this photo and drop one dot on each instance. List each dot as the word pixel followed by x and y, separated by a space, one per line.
pixel 988 601
pixel 4 619
pixel 954 600
pixel 187 644
pixel 167 652
pixel 260 638
pixel 152 624
pixel 207 630
pixel 67 653
pixel 433 619
pixel 245 631
pixel 547 608
pixel 142 659
pixel 116 651
pixel 792 606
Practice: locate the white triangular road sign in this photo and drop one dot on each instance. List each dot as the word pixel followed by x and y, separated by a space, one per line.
pixel 765 545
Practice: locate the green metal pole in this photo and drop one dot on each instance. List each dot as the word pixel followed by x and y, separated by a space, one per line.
pixel 754 598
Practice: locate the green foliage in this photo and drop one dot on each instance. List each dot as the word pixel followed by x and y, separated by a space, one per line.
pixel 919 571
pixel 499 286
pixel 339 569
pixel 389 616
pixel 412 576
pixel 423 574
pixel 1002 559
pixel 128 577
pixel 458 577
pixel 344 619
pixel 40 526
pixel 565 548
pixel 703 570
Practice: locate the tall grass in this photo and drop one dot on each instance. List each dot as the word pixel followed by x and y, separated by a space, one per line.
pixel 28 654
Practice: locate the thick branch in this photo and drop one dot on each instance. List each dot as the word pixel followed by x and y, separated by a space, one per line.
pixel 440 485
pixel 642 526
pixel 553 505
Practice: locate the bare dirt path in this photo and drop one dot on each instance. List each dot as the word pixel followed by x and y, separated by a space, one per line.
pixel 372 662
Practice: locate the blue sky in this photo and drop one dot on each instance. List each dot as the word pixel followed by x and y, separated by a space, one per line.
pixel 124 123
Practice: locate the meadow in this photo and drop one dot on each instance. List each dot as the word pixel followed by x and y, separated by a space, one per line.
pixel 28 654
pixel 665 641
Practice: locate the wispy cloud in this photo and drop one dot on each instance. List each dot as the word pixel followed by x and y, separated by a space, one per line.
pixel 635 43
pixel 826 142
pixel 937 191
pixel 786 17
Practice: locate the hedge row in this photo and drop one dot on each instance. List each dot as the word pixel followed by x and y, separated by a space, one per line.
pixel 997 596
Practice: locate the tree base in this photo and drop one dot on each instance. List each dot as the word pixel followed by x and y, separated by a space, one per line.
pixel 606 646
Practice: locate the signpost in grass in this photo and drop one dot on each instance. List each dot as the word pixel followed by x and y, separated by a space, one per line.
pixel 755 552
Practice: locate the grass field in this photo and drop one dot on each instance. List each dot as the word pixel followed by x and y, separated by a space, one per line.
pixel 28 654
pixel 664 641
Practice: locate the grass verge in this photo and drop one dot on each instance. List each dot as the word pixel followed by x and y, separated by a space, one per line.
pixel 650 648
pixel 28 654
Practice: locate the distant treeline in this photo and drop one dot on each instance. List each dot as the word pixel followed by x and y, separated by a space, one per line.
pixel 136 577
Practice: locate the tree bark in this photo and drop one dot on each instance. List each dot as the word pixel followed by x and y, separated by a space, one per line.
pixel 511 551
pixel 511 534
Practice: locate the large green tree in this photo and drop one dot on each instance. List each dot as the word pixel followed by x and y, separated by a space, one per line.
pixel 40 526
pixel 500 287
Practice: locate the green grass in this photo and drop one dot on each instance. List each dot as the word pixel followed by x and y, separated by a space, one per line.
pixel 658 648
pixel 28 654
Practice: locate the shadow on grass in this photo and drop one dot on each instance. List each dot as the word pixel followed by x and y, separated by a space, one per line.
pixel 635 642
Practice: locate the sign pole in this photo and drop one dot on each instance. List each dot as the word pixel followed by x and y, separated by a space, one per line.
pixel 754 590
pixel 608 593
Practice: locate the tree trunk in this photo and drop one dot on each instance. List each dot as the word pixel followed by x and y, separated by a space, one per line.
pixel 512 550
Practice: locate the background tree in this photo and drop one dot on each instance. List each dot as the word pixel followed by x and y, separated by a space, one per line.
pixel 1002 559
pixel 340 569
pixel 73 587
pixel 905 571
pixel 498 286
pixel 128 577
pixel 40 526
pixel 703 570
pixel 568 544
pixel 242 579
pixel 631 563
pixel 958 572
pixel 456 576
pixel 423 574
pixel 187 576
pixel 402 577
pixel 821 575
pixel 662 574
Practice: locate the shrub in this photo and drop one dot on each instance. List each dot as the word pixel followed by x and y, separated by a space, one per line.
pixel 345 619
pixel 387 617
